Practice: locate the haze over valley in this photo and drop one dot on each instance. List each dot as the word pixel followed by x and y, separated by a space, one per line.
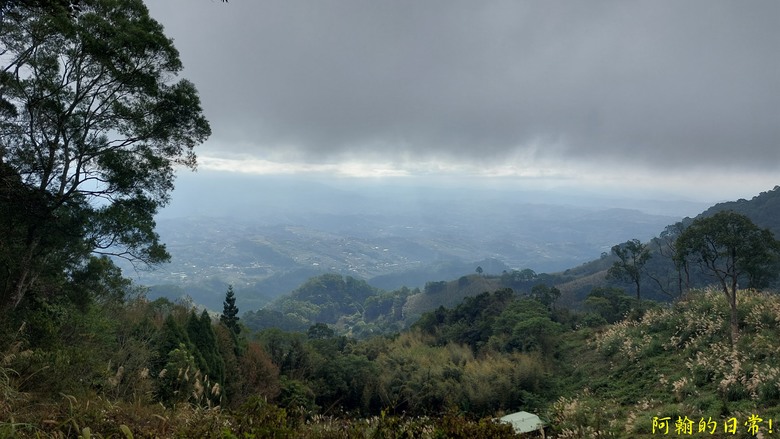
pixel 268 235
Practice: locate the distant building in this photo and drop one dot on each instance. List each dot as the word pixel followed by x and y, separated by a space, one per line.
pixel 524 422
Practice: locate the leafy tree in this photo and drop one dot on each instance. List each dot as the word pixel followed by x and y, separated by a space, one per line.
pixel 732 249
pixel 666 249
pixel 320 331
pixel 633 256
pixel 230 311
pixel 610 303
pixel 479 270
pixel 345 380
pixel 524 325
pixel 287 351
pixel 98 280
pixel 546 295
pixel 93 126
pixel 471 322
pixel 257 374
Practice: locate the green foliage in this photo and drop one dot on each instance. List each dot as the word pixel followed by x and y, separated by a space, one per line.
pixel 349 381
pixel 201 334
pixel 632 257
pixel 229 315
pixel 175 384
pixel 296 395
pixel 672 361
pixel 496 320
pixel 287 351
pixel 665 361
pixel 171 336
pixel 269 318
pixel 325 298
pixel 258 419
pixel 93 127
pixel 320 331
pixel 349 306
pixel 546 295
pixel 732 249
pixel 612 304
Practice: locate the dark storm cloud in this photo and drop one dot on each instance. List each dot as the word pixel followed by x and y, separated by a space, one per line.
pixel 661 83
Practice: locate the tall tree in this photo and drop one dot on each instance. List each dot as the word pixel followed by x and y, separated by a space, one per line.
pixel 94 122
pixel 204 339
pixel 633 256
pixel 732 249
pixel 666 247
pixel 230 311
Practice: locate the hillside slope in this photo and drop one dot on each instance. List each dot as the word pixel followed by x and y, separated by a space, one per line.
pixel 675 361
pixel 763 210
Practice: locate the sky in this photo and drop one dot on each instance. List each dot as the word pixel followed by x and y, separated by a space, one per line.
pixel 670 97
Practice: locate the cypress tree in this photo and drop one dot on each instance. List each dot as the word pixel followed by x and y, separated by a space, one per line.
pixel 203 337
pixel 230 311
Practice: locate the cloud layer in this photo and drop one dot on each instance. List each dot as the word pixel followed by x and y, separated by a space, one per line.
pixel 661 85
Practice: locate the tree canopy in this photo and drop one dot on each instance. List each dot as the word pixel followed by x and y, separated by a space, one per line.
pixel 728 246
pixel 633 256
pixel 229 315
pixel 94 123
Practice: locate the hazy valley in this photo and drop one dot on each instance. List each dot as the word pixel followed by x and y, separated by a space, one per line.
pixel 282 232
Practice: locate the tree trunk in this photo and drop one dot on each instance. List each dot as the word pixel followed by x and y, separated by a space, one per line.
pixel 21 278
pixel 731 297
pixel 734 313
pixel 734 320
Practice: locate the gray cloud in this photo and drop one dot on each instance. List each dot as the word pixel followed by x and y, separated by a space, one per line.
pixel 661 83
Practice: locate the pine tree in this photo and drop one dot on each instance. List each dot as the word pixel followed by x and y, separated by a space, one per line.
pixel 230 311
pixel 204 341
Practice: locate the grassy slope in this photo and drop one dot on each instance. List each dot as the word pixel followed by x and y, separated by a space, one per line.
pixel 676 361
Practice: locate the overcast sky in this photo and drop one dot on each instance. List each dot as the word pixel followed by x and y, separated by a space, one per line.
pixel 682 96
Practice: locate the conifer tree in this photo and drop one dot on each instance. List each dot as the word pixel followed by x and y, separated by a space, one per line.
pixel 230 311
pixel 171 337
pixel 204 339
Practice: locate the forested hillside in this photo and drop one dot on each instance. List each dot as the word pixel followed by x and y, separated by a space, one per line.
pixel 763 209
pixel 153 368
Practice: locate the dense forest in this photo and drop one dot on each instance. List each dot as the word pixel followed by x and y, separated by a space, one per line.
pixel 94 124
